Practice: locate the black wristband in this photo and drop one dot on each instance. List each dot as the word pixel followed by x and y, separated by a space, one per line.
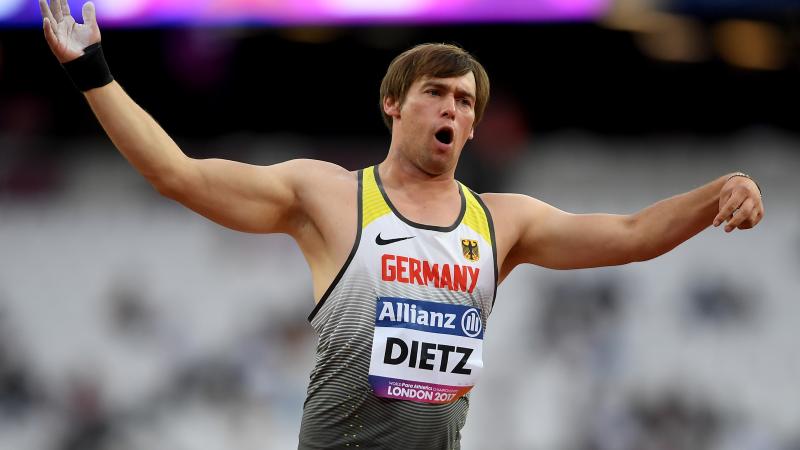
pixel 90 70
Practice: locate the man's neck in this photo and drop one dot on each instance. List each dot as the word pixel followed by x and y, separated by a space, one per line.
pixel 402 174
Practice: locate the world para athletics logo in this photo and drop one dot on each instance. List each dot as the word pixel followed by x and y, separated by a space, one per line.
pixel 471 323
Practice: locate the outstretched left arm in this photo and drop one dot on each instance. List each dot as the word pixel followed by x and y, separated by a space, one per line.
pixel 535 232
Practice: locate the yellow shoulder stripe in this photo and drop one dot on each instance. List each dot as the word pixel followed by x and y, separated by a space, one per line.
pixel 475 216
pixel 373 204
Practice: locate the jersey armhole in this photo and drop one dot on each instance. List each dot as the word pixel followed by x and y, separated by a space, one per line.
pixel 490 222
pixel 352 251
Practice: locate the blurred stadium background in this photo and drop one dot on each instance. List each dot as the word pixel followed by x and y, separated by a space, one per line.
pixel 127 322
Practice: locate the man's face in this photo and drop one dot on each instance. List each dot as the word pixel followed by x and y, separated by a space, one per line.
pixel 434 121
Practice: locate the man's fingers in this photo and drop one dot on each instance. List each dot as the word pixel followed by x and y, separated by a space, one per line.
pixel 46 14
pixel 49 33
pixel 754 217
pixel 730 206
pixel 64 7
pixel 740 215
pixel 759 214
pixel 721 215
pixel 55 8
pixel 89 18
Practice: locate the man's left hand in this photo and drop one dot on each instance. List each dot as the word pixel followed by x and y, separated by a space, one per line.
pixel 740 204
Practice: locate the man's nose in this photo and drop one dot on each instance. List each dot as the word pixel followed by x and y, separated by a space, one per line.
pixel 449 107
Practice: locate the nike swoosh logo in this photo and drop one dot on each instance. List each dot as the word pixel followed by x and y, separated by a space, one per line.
pixel 381 241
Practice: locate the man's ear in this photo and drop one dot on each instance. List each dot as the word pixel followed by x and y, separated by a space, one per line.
pixel 471 133
pixel 391 107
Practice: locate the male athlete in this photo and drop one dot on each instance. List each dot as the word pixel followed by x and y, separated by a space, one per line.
pixel 404 259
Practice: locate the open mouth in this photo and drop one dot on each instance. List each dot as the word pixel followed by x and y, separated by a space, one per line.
pixel 445 135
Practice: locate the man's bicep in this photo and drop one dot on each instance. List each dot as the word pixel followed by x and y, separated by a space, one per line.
pixel 557 239
pixel 244 197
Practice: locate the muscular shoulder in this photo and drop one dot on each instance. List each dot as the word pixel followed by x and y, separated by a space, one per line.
pixel 313 178
pixel 513 215
pixel 512 209
pixel 316 172
pixel 320 182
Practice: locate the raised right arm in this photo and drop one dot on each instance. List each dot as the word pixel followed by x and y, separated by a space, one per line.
pixel 239 196
pixel 259 199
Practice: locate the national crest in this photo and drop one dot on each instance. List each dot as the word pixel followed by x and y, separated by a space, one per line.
pixel 469 248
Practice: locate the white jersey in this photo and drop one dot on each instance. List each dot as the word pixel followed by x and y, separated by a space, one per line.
pixel 401 329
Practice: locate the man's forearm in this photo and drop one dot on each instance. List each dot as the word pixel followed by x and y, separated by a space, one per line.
pixel 664 225
pixel 135 133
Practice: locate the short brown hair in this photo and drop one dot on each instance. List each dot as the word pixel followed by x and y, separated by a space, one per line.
pixel 435 60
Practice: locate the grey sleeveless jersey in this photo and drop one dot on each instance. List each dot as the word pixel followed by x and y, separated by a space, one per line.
pixel 400 329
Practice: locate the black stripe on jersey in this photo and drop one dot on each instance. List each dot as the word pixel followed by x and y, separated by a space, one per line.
pixel 421 225
pixel 494 243
pixel 352 252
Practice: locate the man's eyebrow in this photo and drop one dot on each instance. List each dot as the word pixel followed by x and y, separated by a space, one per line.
pixel 443 86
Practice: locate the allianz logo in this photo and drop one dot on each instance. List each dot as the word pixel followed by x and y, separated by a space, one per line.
pixel 471 323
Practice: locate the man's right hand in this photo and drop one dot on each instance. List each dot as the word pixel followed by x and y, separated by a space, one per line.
pixel 67 38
